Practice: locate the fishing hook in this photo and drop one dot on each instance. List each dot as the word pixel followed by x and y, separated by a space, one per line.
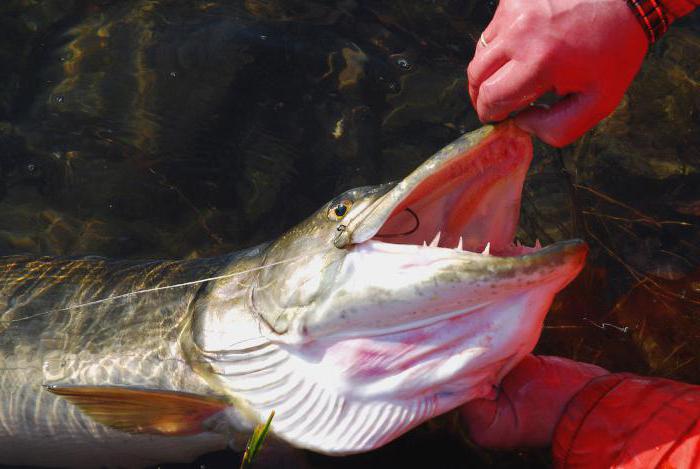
pixel 411 231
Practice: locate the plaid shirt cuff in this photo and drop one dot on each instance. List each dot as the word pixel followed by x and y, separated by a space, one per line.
pixel 652 16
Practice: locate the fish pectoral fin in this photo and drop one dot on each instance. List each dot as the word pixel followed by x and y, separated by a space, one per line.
pixel 136 410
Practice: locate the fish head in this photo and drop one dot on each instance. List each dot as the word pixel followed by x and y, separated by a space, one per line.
pixel 395 303
pixel 395 257
pixel 300 268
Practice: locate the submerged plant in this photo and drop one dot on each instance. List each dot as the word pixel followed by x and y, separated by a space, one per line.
pixel 255 442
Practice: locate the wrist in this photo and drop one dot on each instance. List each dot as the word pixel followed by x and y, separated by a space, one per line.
pixel 675 9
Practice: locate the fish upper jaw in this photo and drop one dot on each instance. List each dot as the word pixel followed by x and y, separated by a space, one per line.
pixel 469 190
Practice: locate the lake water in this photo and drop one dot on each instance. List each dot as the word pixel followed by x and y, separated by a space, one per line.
pixel 152 129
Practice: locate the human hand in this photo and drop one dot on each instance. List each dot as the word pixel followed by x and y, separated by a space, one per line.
pixel 530 402
pixel 586 51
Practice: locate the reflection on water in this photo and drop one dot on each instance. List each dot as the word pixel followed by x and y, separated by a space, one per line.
pixel 141 129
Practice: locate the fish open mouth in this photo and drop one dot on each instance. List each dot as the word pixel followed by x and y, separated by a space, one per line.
pixel 440 243
pixel 466 197
pixel 426 304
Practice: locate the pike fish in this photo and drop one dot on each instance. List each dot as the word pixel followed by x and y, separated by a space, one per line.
pixel 388 306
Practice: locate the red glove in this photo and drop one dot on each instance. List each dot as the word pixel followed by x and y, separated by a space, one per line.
pixel 587 51
pixel 531 400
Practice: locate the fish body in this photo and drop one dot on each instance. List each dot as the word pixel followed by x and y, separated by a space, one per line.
pixel 132 342
pixel 347 326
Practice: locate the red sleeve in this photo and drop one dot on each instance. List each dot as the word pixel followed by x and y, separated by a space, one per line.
pixel 626 421
pixel 677 8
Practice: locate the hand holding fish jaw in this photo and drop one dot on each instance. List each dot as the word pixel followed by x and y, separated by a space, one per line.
pixel 530 401
pixel 585 51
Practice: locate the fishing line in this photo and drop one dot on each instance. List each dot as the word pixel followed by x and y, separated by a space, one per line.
pixel 168 287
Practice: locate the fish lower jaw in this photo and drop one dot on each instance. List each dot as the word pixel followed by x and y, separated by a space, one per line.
pixel 317 408
pixel 452 354
pixel 320 412
pixel 357 394
pixel 310 410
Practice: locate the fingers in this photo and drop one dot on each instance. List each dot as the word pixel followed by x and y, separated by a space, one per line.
pixel 489 56
pixel 570 372
pixel 566 120
pixel 480 415
pixel 487 60
pixel 491 30
pixel 490 424
pixel 514 86
pixel 530 402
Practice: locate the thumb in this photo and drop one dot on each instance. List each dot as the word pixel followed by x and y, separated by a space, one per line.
pixel 480 416
pixel 530 402
pixel 566 120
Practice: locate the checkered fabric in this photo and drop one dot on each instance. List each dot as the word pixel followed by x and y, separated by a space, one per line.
pixel 652 16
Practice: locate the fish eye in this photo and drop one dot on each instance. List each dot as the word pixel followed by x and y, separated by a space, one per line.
pixel 339 210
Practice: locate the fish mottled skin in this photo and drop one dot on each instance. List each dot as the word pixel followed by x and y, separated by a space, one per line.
pixel 130 341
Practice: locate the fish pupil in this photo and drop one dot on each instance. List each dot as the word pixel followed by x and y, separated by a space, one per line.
pixel 340 210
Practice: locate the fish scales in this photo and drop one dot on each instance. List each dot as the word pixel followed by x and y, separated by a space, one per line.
pixel 127 341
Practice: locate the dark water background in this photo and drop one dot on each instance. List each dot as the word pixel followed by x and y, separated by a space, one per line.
pixel 150 129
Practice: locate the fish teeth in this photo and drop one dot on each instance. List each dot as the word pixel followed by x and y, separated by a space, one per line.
pixel 425 245
pixel 487 249
pixel 459 245
pixel 435 241
pixel 538 245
